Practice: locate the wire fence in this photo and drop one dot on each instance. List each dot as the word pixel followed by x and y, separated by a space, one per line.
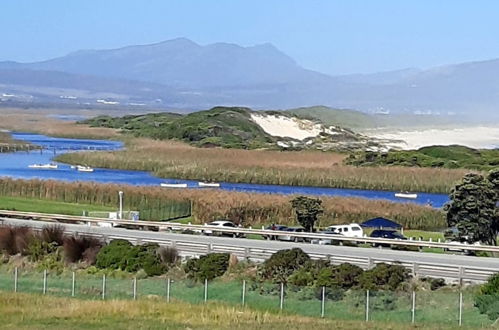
pixel 408 307
pixel 168 210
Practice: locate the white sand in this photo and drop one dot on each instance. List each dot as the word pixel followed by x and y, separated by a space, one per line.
pixel 475 137
pixel 294 128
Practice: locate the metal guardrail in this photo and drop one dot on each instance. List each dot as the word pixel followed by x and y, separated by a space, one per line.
pixel 162 226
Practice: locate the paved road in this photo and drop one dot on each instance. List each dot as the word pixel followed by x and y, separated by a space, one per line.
pixel 375 253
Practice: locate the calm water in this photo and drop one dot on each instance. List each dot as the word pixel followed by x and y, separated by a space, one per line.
pixel 15 165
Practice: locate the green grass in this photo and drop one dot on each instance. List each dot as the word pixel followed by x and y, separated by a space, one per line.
pixel 47 206
pixel 437 308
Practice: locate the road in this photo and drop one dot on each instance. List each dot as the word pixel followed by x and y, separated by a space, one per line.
pixel 240 243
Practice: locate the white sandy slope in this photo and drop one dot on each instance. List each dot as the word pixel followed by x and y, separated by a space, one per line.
pixel 486 137
pixel 282 126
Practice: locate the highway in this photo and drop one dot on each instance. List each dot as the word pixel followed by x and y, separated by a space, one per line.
pixel 430 264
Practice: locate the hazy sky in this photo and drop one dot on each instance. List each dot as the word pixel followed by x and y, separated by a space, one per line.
pixel 330 36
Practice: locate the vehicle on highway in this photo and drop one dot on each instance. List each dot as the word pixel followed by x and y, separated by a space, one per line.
pixel 221 224
pixel 386 234
pixel 290 238
pixel 351 230
pixel 274 227
pixel 326 240
pixel 460 247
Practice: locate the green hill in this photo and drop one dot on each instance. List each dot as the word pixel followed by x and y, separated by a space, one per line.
pixel 338 117
pixel 455 156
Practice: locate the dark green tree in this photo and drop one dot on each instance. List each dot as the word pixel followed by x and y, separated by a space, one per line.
pixel 473 209
pixel 307 211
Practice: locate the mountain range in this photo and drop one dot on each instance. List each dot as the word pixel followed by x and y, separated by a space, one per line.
pixel 179 73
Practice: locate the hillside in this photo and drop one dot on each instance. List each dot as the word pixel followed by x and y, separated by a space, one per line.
pixel 236 127
pixel 435 156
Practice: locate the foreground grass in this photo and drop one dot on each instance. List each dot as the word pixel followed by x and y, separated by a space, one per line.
pixel 47 206
pixel 25 311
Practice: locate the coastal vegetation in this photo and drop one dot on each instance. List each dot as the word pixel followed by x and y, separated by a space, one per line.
pixel 244 208
pixel 435 156
pixel 173 159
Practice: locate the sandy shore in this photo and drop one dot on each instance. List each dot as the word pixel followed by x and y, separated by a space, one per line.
pixel 486 137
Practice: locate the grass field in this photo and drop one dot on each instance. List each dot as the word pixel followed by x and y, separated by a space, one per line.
pixel 47 206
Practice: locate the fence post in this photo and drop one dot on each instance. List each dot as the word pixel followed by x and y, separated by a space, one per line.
pixel 205 289
pixel 103 286
pixel 45 281
pixel 413 319
pixel 243 296
pixel 15 279
pixel 460 308
pixel 323 301
pixel 281 305
pixel 73 286
pixel 134 288
pixel 367 305
pixel 168 289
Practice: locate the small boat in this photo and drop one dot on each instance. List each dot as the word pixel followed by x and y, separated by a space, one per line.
pixel 80 168
pixel 406 195
pixel 44 166
pixel 209 184
pixel 174 185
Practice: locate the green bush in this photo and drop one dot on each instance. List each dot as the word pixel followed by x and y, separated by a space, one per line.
pixel 145 257
pixel 487 301
pixel 207 267
pixel 37 248
pixel 384 277
pixel 345 276
pixel 114 255
pixel 282 264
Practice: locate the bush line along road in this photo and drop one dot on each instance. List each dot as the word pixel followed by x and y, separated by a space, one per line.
pixel 427 264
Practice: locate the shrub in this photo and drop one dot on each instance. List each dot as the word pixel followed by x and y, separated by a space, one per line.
pixel 345 276
pixel 53 234
pixel 436 283
pixel 38 249
pixel 282 264
pixel 168 255
pixel 384 276
pixel 114 255
pixel 207 267
pixel 81 248
pixel 15 240
pixel 145 257
pixel 487 301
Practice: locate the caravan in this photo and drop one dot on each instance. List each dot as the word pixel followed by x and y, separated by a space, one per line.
pixel 351 230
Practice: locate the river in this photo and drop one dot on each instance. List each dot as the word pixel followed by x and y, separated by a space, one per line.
pixel 15 165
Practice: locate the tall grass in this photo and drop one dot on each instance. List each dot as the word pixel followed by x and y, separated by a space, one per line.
pixel 170 159
pixel 247 209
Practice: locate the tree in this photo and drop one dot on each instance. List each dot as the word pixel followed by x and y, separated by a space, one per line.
pixel 307 211
pixel 473 209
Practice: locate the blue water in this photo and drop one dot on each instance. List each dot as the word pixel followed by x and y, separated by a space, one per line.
pixel 15 165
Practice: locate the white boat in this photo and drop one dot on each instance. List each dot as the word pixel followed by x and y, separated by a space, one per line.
pixel 406 195
pixel 173 185
pixel 209 184
pixel 44 166
pixel 80 168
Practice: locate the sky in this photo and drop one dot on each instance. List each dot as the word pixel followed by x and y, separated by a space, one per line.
pixel 331 36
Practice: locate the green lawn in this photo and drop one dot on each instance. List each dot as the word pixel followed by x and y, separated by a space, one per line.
pixel 47 206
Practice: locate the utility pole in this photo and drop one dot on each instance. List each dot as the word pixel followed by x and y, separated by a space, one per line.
pixel 121 204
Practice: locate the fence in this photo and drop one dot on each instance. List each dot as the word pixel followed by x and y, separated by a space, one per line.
pixel 168 210
pixel 420 307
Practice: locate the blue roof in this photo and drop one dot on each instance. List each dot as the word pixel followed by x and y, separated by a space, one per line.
pixel 380 223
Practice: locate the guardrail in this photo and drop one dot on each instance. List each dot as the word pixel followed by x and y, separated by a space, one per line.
pixel 162 226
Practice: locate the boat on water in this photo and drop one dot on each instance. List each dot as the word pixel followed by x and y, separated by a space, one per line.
pixel 406 195
pixel 44 166
pixel 81 168
pixel 209 184
pixel 173 185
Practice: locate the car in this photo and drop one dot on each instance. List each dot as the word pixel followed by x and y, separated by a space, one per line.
pixel 325 240
pixel 460 247
pixel 274 227
pixel 222 224
pixel 292 238
pixel 351 230
pixel 386 234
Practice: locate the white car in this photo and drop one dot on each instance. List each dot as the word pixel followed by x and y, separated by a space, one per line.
pixel 351 230
pixel 222 224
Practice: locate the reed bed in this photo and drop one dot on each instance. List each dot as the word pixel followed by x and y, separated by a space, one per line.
pixel 207 205
pixel 171 159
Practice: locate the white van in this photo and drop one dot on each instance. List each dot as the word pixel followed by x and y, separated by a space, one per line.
pixel 351 230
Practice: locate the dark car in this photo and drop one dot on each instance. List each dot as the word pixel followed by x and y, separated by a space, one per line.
pixel 274 227
pixel 386 234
